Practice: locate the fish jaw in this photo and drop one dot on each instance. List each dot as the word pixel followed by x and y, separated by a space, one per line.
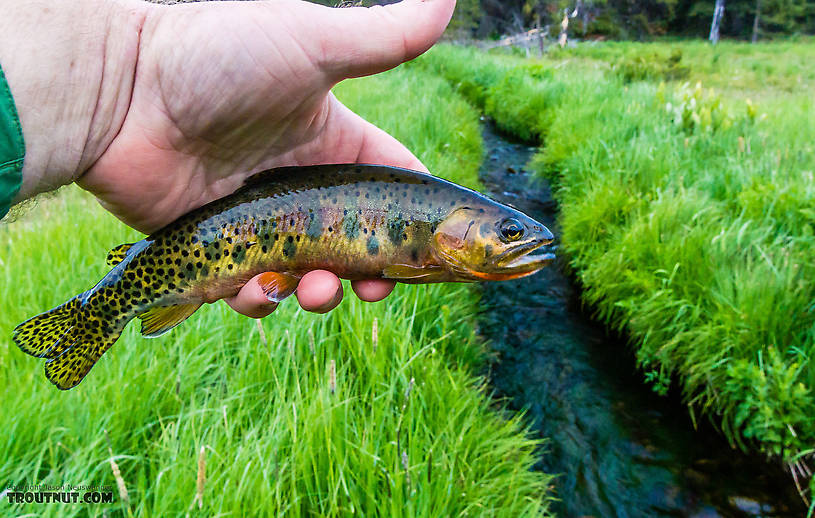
pixel 521 265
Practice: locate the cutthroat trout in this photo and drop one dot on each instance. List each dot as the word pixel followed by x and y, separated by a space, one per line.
pixel 358 221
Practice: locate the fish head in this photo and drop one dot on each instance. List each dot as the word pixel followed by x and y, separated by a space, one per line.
pixel 492 242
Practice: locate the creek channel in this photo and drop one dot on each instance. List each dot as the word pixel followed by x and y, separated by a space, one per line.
pixel 617 448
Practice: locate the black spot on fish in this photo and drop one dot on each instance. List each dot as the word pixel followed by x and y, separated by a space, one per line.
pixel 373 245
pixel 414 254
pixel 488 250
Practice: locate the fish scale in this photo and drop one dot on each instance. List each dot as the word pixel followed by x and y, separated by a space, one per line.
pixel 357 221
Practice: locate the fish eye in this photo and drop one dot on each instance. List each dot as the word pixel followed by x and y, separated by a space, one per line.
pixel 511 230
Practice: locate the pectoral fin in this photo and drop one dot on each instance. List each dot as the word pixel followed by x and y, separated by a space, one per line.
pixel 278 286
pixel 158 321
pixel 415 274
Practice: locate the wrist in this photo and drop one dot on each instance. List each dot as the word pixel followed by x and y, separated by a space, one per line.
pixel 70 69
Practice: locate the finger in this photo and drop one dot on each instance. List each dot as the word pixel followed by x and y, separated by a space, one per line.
pixel 378 147
pixel 372 290
pixel 319 291
pixel 251 301
pixel 348 138
pixel 366 40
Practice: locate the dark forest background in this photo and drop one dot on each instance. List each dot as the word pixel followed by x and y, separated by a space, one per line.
pixel 632 19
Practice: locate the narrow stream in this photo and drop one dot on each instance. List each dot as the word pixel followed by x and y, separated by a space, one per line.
pixel 619 449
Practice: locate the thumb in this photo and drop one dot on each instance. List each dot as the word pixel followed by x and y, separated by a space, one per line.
pixel 360 41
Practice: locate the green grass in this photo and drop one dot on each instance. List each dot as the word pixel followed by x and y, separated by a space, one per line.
pixel 695 237
pixel 740 69
pixel 406 430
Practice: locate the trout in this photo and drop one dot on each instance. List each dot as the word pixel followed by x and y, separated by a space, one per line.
pixel 357 221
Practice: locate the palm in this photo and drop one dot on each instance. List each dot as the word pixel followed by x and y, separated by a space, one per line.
pixel 225 101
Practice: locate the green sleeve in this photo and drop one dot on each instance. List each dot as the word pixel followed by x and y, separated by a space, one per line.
pixel 12 148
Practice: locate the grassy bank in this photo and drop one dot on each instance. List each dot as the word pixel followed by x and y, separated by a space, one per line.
pixel 740 69
pixel 688 215
pixel 321 415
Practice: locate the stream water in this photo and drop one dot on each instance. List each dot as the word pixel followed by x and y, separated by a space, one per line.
pixel 618 448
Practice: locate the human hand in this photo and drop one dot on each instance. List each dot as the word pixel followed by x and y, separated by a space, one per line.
pixel 193 98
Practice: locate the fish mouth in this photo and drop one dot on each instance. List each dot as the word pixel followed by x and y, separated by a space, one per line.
pixel 527 257
pixel 523 260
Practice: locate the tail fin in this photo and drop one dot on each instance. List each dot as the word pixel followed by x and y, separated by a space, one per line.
pixel 70 337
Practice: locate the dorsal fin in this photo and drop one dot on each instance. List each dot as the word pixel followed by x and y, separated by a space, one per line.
pixel 157 321
pixel 118 254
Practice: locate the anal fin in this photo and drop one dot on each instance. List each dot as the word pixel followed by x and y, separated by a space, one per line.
pixel 277 286
pixel 157 321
